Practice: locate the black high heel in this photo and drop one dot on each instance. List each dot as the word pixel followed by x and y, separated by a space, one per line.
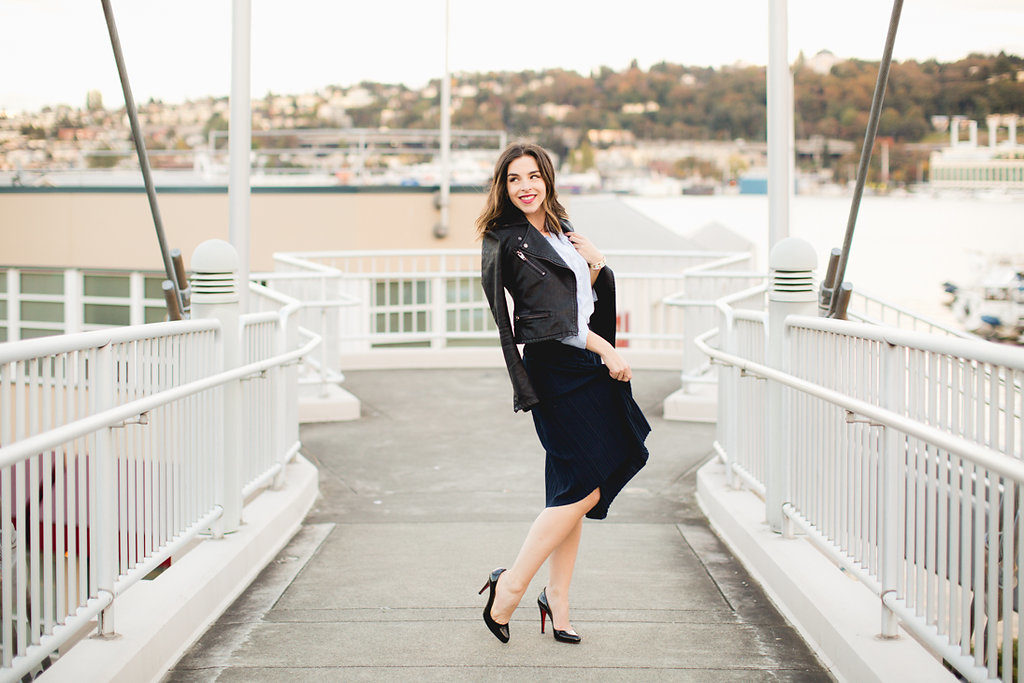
pixel 545 610
pixel 500 631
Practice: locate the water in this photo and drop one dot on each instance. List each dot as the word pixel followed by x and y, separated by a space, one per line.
pixel 904 248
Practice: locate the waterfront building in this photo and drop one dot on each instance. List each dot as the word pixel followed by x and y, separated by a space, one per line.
pixel 966 165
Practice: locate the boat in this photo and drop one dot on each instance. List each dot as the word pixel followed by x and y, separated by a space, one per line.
pixel 992 306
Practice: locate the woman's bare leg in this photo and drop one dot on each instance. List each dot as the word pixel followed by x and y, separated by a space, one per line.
pixel 550 528
pixel 560 568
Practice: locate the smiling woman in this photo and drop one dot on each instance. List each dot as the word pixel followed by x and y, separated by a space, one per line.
pixel 525 186
pixel 570 376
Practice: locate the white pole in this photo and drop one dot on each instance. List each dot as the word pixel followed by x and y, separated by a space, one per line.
pixel 780 124
pixel 215 294
pixel 240 142
pixel 105 529
pixel 792 262
pixel 889 560
pixel 446 128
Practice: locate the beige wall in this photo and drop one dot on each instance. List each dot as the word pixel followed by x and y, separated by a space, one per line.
pixel 115 230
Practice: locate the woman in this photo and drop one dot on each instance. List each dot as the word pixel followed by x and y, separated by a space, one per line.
pixel 570 377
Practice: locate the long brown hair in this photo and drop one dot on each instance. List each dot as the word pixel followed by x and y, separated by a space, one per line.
pixel 499 206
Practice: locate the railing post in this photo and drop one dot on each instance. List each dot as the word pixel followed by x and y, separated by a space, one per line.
pixel 286 411
pixel 105 489
pixel 74 310
pixel 136 298
pixel 438 338
pixel 728 393
pixel 792 263
pixel 324 354
pixel 13 304
pixel 332 324
pixel 364 325
pixel 215 295
pixel 890 515
pixel 690 332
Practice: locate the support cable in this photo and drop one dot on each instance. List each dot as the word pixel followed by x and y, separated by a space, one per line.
pixel 865 152
pixel 140 149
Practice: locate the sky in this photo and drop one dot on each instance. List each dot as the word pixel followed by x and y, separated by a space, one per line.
pixel 55 51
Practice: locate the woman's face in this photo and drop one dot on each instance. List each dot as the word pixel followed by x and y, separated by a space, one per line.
pixel 525 185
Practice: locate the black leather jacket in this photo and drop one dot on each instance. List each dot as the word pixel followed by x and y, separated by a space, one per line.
pixel 517 257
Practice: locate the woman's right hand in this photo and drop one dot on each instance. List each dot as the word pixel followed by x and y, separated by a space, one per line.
pixel 617 367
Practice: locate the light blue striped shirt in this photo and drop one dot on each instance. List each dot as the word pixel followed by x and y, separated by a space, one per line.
pixel 585 294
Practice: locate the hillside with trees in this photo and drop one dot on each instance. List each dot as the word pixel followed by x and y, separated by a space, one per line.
pixel 680 102
pixel 676 102
pixel 561 109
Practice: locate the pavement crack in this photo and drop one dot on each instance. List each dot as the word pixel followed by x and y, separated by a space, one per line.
pixel 327 468
pixel 707 571
pixel 688 472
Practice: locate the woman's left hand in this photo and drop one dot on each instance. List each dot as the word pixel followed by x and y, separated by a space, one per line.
pixel 585 247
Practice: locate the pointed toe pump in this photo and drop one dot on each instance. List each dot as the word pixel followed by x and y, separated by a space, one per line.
pixel 545 611
pixel 500 631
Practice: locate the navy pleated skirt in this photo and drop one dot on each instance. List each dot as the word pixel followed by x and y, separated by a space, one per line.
pixel 591 428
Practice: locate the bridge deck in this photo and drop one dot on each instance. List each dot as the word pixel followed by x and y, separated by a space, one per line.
pixel 436 485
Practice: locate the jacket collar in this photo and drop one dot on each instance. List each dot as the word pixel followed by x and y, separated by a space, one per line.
pixel 531 241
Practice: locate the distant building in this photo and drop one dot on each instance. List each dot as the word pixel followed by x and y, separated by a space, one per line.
pixel 640 107
pixel 558 112
pixel 754 181
pixel 822 62
pixel 358 97
pixel 940 123
pixel 965 165
pixel 94 100
pixel 610 136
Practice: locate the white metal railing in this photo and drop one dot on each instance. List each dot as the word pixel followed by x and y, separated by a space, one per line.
pixel 38 301
pixel 433 298
pixel 111 461
pixel 413 298
pixel 869 308
pixel 312 294
pixel 742 449
pixel 703 286
pixel 903 460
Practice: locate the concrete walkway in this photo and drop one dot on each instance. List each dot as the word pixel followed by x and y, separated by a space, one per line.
pixel 436 485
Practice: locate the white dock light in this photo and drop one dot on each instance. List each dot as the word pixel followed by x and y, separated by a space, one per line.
pixel 215 265
pixel 214 273
pixel 792 263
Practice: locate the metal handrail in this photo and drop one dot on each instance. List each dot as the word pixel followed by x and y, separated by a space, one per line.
pixel 903 311
pixel 970 348
pixel 976 453
pixel 38 443
pixel 12 352
pixel 828 524
pixel 289 257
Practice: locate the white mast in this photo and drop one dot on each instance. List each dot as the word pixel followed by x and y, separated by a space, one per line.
pixel 446 129
pixel 780 124
pixel 240 142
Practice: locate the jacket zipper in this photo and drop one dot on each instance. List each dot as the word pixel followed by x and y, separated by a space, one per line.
pixel 528 262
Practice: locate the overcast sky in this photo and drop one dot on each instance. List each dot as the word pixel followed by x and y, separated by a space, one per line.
pixel 54 51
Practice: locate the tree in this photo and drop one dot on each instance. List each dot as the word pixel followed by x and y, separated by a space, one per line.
pixel 102 161
pixel 215 122
pixel 582 158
